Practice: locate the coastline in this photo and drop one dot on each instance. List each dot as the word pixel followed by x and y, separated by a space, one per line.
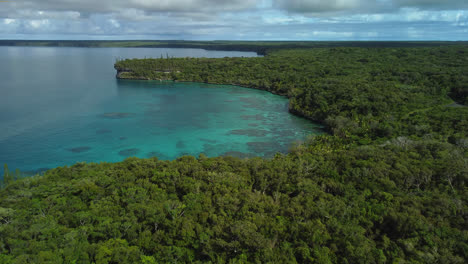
pixel 290 110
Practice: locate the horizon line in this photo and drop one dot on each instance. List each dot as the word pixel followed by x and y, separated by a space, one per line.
pixel 260 40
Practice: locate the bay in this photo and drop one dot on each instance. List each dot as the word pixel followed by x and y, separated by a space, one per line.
pixel 59 106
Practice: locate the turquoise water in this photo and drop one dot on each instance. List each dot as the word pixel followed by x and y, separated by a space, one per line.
pixel 59 106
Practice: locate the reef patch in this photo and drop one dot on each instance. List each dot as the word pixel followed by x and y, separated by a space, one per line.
pixel 116 115
pixel 79 149
pixel 129 152
pixel 249 132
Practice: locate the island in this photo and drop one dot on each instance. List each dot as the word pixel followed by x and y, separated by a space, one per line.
pixel 386 184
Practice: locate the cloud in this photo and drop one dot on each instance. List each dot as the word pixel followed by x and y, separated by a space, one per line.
pixel 320 6
pixel 42 14
pixel 235 19
pixel 115 6
pixel 8 21
pixel 432 4
pixel 407 15
pixel 344 7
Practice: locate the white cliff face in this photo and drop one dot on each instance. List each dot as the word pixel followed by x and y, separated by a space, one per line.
pixel 121 71
pixel 126 73
pixel 120 74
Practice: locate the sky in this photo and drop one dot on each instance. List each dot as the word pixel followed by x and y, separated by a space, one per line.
pixel 235 19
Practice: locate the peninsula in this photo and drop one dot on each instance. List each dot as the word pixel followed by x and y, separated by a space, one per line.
pixel 387 184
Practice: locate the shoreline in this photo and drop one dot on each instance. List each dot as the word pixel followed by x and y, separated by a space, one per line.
pixel 290 110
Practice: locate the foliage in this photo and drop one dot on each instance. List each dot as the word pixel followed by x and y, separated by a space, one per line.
pixel 358 93
pixel 261 47
pixel 387 185
pixel 400 201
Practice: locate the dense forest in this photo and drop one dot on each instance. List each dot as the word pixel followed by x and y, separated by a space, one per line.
pixel 361 94
pixel 261 47
pixel 387 184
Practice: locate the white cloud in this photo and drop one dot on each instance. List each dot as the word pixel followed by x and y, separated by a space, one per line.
pixel 332 34
pixel 236 19
pixel 114 23
pixel 318 6
pixel 406 15
pixel 8 21
pixel 321 7
pixel 134 14
pixel 116 6
pixel 284 20
pixel 39 23
pixel 371 34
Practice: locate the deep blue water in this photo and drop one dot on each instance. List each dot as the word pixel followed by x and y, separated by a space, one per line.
pixel 59 106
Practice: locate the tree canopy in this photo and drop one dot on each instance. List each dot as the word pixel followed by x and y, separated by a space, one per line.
pixel 386 185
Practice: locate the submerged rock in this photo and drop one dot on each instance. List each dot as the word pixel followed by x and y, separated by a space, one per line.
pixel 116 115
pixel 157 154
pixel 208 140
pixel 262 147
pixel 180 144
pixel 253 102
pixel 256 117
pixel 213 149
pixel 79 149
pixel 249 132
pixel 129 152
pixel 103 131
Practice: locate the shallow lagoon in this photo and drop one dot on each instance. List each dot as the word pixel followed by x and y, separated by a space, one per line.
pixel 64 105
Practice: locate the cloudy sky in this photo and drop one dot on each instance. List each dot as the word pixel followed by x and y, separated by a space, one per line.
pixel 235 19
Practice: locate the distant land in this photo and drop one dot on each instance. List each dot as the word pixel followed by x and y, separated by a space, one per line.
pixel 260 47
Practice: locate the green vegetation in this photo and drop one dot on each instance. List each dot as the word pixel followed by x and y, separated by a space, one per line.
pixel 261 47
pixel 387 185
pixel 361 94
